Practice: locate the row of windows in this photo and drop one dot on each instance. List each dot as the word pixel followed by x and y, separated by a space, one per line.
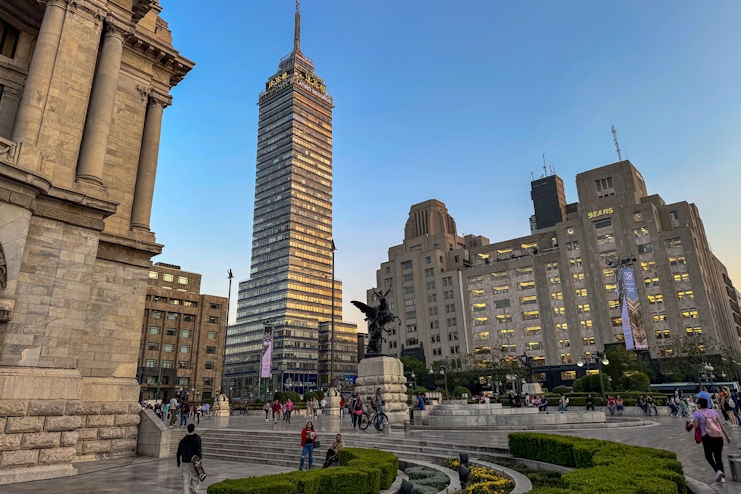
pixel 182 280
pixel 185 333
pixel 183 364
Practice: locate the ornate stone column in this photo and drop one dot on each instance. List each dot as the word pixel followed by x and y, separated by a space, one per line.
pixel 102 102
pixel 141 210
pixel 8 107
pixel 36 90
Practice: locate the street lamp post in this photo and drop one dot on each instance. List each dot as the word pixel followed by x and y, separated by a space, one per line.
pixel 444 366
pixel 331 343
pixel 601 360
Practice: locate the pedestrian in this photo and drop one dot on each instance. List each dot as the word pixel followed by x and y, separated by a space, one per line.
pixel 323 404
pixel 315 407
pixel 673 406
pixel 641 403
pixel 590 402
pixel 619 404
pixel 165 411
pixel 289 409
pixel 308 437
pixel 563 403
pixel 206 408
pixel 357 411
pixel 683 411
pixel 199 411
pixel 704 394
pixel 184 411
pixel 309 405
pixel 727 404
pixel 334 451
pixel 266 407
pixel 192 411
pixel 189 447
pixel 611 404
pixel 712 432
pixel 650 405
pixel 734 397
pixel 276 411
pixel 174 405
pixel 342 406
pixel 420 402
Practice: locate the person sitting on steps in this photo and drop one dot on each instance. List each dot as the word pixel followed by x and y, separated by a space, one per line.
pixel 333 453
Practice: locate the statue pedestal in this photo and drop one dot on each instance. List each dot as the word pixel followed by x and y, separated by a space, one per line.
pixel 333 402
pixel 222 406
pixel 386 373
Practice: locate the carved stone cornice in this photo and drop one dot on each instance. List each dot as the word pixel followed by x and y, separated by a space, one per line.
pixel 123 258
pixel 12 93
pixel 130 243
pixel 159 99
pixel 140 8
pixel 86 8
pixel 117 28
pixel 69 218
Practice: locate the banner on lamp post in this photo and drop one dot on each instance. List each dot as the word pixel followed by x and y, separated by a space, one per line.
pixel 267 352
pixel 634 328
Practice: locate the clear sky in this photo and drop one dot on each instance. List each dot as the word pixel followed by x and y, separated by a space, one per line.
pixel 454 101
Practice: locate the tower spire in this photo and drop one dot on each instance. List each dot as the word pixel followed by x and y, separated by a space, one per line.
pixel 297 30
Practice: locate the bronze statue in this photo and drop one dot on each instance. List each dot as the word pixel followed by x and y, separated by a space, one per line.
pixel 378 318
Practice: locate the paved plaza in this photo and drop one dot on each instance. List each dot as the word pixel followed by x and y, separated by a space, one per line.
pixel 162 476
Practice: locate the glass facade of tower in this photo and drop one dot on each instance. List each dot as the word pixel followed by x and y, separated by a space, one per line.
pixel 290 285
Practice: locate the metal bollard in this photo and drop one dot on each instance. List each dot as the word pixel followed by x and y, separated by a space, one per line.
pixel 387 429
pixel 734 462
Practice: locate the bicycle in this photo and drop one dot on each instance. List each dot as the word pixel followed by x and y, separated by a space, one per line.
pixel 378 419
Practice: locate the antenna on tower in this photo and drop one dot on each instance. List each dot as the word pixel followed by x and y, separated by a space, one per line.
pixel 545 168
pixel 617 146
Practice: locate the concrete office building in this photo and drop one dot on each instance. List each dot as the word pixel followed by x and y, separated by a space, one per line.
pixel 551 294
pixel 183 332
pixel 84 87
pixel 290 283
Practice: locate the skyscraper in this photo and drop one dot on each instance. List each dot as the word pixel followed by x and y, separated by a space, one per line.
pixel 290 285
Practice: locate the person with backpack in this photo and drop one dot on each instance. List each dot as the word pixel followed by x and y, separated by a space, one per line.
pixel 189 447
pixel 711 432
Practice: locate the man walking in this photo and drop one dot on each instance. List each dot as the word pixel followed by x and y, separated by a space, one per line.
pixel 206 408
pixel 189 447
pixel 184 411
pixel 173 411
pixel 323 404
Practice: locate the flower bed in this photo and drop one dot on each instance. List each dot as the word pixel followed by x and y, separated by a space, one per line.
pixel 601 466
pixel 361 471
pixel 483 480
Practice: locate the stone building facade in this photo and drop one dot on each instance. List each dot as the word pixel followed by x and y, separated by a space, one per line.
pixel 182 341
pixel 84 86
pixel 552 295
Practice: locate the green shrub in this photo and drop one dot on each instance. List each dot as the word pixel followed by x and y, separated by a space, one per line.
pixel 561 390
pixel 364 476
pixel 602 466
pixel 459 391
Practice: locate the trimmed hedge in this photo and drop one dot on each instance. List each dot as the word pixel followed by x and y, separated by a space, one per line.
pixel 602 467
pixel 363 471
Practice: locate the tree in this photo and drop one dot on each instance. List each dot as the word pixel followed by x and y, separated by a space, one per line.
pixel 621 361
pixel 411 364
pixel 686 354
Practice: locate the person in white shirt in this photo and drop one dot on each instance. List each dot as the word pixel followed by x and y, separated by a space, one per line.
pixel 323 404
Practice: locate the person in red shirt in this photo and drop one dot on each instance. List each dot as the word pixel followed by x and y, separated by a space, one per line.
pixel 611 401
pixel 342 407
pixel 276 411
pixel 308 438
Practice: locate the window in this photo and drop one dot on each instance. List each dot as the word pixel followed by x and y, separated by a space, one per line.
pixel 681 277
pixel 530 315
pixel 655 299
pixel 428 260
pixel 407 277
pixel 566 359
pixel 388 269
pixel 210 365
pixel 557 295
pixel 154 330
pixel 409 302
pixel 613 304
pixel 184 348
pixel 431 285
pixel 532 330
pixel 659 316
pixel 611 288
pixel 690 314
pixel 530 299
pixel 182 280
pixel 474 293
pixel 555 280
pixel 575 261
pixel 406 265
pixel 674 243
pixel 509 348
pixel 583 308
pixel 412 314
pixel 567 375
pixel 605 187
pixel 585 324
pixel 211 350
pixel 647 265
pixel 578 277
pixel 190 303
pixel 526 285
pixel 564 343
pixel 183 381
pixel 170 332
pixel 617 321
pixel 150 363
pixel 432 297
pixel 411 328
pixel 172 316
pixel 551 266
pixel 452 322
pixel 500 289
pixel 534 345
pixel 186 333
pixel 169 347
pixel 213 319
pixel 523 271
pixel 429 272
pixel 559 311
pixel 587 341
pixel 645 248
pixel 674 216
pixel 641 232
pixel 570 231
pixel 607 238
pixel 619 336
pixel 175 301
pixel 153 346
pixel 189 318
pixel 651 281
pixel 212 335
pixel 449 295
pixel 662 334
pixel 167 364
pixel 580 292
pixel 155 314
pixel 154 275
pixel 507 333
pixel 603 223
pixel 479 307
pixel 562 327
pixel 608 254
pixel 693 331
pixel 432 311
pixel 608 272
pixel 472 279
pixel 501 304
pixel 572 245
pixel 504 318
pixel 168 277
pixel 677 261
pixel 449 308
pixel 480 321
pixel 685 295
pixel 208 381
pixel 638 216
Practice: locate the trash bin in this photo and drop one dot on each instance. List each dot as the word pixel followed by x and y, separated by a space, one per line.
pixel 734 462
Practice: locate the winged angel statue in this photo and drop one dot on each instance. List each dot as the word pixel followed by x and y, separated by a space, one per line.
pixel 378 318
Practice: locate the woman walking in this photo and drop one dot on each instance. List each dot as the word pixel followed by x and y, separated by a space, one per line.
pixel 289 409
pixel 308 437
pixel 276 411
pixel 357 411
pixel 266 408
pixel 727 404
pixel 712 431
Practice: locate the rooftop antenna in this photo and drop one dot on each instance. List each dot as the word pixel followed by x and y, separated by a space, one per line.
pixel 545 168
pixel 617 146
pixel 297 30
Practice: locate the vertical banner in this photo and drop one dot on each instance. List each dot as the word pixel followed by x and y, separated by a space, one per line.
pixel 634 328
pixel 267 351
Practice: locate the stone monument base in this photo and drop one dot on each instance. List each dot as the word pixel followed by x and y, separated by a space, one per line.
pixel 222 406
pixel 386 373
pixel 333 402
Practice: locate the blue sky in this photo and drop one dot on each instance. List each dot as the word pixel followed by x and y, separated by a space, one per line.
pixel 454 101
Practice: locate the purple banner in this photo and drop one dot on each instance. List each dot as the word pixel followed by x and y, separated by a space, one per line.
pixel 634 329
pixel 267 352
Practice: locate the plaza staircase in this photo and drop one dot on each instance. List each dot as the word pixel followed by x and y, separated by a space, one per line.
pixel 284 448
